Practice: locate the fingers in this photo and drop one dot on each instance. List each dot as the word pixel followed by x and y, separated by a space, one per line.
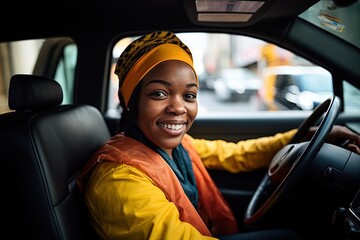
pixel 352 136
pixel 354 148
pixel 353 139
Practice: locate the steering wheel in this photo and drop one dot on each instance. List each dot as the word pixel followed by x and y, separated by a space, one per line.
pixel 291 162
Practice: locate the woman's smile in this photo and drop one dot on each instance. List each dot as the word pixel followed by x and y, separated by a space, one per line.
pixel 173 129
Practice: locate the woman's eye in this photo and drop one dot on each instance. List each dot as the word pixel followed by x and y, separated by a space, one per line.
pixel 158 94
pixel 190 96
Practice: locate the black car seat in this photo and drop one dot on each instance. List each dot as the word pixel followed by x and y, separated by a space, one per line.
pixel 43 146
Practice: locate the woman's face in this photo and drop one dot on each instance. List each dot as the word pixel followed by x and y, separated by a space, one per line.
pixel 168 103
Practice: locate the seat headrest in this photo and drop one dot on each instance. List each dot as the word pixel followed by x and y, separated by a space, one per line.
pixel 30 92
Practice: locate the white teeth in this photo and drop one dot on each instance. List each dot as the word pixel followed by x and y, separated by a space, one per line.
pixel 172 126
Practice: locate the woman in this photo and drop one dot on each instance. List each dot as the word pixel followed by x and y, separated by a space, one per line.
pixel 150 180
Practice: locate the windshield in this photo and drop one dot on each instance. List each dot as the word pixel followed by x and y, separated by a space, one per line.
pixel 340 21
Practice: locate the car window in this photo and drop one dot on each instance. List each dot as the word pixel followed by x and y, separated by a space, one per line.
pixel 351 98
pixel 16 57
pixel 242 74
pixel 20 57
pixel 65 72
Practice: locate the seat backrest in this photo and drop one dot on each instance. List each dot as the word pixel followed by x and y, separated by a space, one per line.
pixel 43 146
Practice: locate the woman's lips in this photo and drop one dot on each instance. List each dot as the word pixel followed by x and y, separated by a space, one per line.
pixel 173 128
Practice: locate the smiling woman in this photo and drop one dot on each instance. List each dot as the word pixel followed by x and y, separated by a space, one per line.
pixel 158 88
pixel 81 55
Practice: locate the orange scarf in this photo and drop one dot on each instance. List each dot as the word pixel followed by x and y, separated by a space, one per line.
pixel 125 150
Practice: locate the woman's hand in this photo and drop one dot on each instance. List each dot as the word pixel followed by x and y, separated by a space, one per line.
pixel 341 135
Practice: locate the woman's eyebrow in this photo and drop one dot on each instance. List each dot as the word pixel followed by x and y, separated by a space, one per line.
pixel 158 81
pixel 191 85
pixel 168 83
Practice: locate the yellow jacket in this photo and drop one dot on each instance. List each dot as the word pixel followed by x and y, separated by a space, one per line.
pixel 118 199
pixel 246 155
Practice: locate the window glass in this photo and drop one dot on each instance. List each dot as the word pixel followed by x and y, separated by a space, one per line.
pixel 243 74
pixel 65 72
pixel 351 98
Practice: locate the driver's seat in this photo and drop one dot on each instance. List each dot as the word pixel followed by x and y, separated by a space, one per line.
pixel 43 146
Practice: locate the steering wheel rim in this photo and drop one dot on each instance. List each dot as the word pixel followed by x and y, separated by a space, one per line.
pixel 295 159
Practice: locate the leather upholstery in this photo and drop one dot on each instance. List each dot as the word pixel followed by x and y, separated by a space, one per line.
pixel 43 146
pixel 35 94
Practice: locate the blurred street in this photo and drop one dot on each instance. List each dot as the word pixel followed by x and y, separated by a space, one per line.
pixel 209 103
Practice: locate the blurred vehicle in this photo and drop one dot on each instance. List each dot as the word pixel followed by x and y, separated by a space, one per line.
pixel 206 81
pixel 294 87
pixel 232 84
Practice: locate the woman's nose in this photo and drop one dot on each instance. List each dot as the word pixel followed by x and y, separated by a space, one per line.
pixel 176 105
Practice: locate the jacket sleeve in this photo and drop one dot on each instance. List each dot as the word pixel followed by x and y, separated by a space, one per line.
pixel 245 155
pixel 125 204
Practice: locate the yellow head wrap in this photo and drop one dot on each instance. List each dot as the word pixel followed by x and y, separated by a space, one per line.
pixel 144 54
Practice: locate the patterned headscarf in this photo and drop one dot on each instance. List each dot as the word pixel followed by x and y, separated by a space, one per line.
pixel 145 53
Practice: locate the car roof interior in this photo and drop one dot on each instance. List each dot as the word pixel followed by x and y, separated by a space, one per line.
pixel 118 16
